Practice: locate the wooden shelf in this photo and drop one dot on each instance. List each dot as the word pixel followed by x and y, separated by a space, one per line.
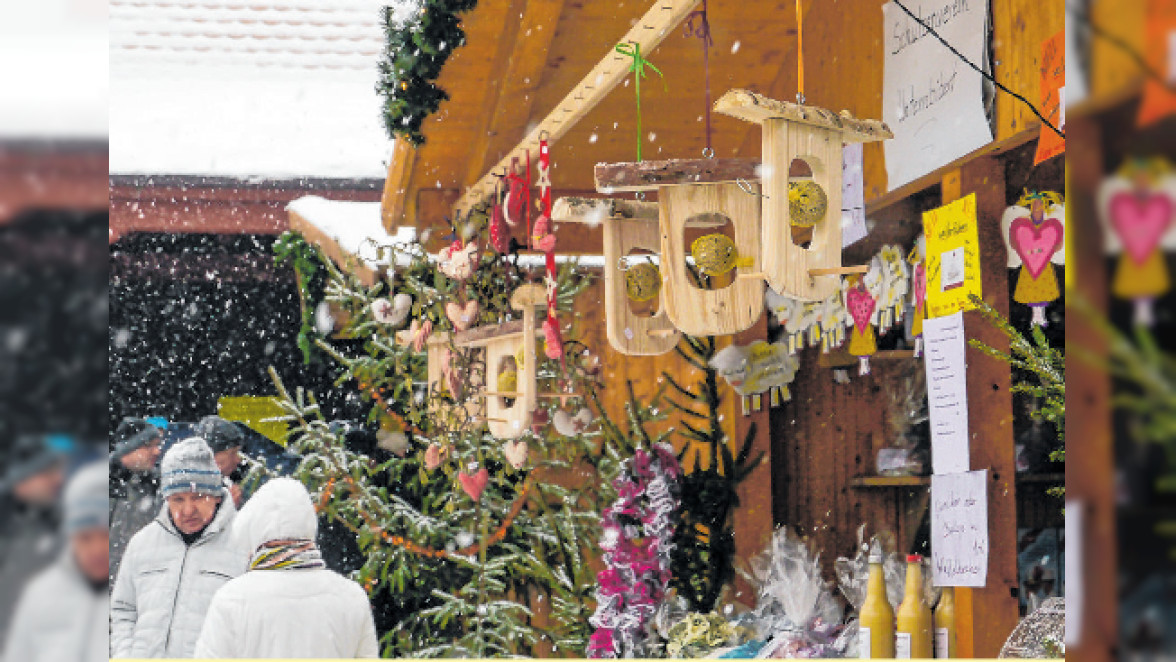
pixel 1058 479
pixel 870 482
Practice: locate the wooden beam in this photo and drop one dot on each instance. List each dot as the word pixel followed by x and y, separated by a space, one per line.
pixel 346 261
pixel 395 199
pixel 757 108
pixel 657 24
pixel 522 54
pixel 649 175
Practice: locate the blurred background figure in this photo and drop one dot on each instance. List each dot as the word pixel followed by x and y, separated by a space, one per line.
pixel 63 612
pixel 225 439
pixel 134 483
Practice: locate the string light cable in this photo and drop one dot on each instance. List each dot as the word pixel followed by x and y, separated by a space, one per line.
pixel 1000 86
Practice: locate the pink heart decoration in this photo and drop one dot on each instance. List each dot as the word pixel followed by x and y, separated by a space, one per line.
pixel 463 317
pixel 541 237
pixel 516 453
pixel 1140 222
pixel 920 283
pixel 554 338
pixel 433 457
pixel 861 306
pixel 1035 244
pixel 473 485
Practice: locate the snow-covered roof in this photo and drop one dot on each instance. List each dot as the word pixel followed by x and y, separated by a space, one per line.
pixel 55 73
pixel 279 89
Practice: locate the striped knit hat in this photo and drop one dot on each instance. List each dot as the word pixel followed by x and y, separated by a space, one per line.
pixel 190 466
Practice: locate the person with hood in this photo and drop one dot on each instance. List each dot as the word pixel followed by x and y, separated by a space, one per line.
pixel 174 565
pixel 30 535
pixel 264 613
pixel 134 483
pixel 63 613
pixel 226 440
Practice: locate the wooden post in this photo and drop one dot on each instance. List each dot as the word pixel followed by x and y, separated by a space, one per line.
pixel 986 616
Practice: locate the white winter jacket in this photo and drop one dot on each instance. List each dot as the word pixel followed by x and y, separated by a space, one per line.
pixel 164 587
pixel 291 613
pixel 60 616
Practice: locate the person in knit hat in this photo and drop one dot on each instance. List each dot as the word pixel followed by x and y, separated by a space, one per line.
pixel 226 440
pixel 174 565
pixel 63 613
pixel 30 536
pixel 263 613
pixel 134 483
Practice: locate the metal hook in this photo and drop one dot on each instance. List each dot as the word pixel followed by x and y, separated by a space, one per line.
pixel 746 188
pixel 544 135
pixel 708 153
pixel 640 195
pixel 621 263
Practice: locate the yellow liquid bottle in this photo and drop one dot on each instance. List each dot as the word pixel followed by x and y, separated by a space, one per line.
pixel 876 620
pixel 945 628
pixel 912 637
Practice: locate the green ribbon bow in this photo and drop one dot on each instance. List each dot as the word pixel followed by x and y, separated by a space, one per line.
pixel 633 50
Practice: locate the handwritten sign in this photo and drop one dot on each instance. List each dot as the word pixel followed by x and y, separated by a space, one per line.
pixel 931 100
pixel 959 529
pixel 947 393
pixel 953 256
pixel 1053 84
pixel 853 195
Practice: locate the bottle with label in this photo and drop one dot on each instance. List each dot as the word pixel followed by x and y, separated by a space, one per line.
pixel 914 623
pixel 876 619
pixel 945 630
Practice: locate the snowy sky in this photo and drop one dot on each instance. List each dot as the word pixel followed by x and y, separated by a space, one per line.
pixel 53 52
pixel 280 89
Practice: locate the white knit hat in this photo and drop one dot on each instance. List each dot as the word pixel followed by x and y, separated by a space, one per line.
pixel 87 502
pixel 190 466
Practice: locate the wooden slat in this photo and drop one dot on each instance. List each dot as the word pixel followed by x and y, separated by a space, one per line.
pixel 757 108
pixel 395 198
pixel 649 175
pixel 890 481
pixel 594 210
pixel 651 30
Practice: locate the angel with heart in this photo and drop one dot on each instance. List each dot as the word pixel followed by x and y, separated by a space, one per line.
pixel 861 300
pixel 1136 205
pixel 1034 230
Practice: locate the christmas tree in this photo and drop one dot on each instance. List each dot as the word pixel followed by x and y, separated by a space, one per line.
pixel 470 545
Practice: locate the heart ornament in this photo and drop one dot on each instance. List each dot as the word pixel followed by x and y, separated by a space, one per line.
pixel 568 425
pixel 861 306
pixel 394 312
pixel 433 457
pixel 516 453
pixel 474 484
pixel 1140 222
pixel 1036 243
pixel 463 317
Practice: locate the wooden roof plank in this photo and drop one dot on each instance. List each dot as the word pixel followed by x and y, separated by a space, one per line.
pixel 651 30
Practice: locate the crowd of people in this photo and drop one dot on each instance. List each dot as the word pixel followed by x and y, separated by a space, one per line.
pixel 166 555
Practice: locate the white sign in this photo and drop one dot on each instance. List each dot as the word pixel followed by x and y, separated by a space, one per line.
pixel 959 529
pixel 853 195
pixel 1075 71
pixel 1073 577
pixel 947 393
pixel 932 101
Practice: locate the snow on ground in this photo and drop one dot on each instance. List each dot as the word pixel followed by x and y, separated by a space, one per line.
pixel 281 89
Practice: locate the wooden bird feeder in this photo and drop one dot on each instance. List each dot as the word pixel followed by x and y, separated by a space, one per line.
pixel 815 136
pixel 501 344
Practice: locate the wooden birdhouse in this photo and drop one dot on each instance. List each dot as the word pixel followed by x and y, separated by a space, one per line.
pixel 628 226
pixel 813 135
pixel 506 412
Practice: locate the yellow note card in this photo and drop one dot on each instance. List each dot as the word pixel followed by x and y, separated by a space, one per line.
pixel 953 256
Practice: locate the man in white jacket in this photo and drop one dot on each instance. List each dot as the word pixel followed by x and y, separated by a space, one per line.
pixel 62 614
pixel 175 564
pixel 288 604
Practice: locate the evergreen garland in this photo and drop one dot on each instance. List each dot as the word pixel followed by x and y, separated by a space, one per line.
pixel 291 249
pixel 415 51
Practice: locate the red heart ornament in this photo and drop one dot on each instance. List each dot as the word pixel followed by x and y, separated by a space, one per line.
pixel 499 234
pixel 554 338
pixel 861 306
pixel 1140 221
pixel 1035 244
pixel 473 485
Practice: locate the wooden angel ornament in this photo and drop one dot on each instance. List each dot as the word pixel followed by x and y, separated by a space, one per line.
pixel 1034 232
pixel 861 304
pixel 1136 205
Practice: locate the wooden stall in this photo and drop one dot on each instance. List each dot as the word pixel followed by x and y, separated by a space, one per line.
pixel 535 66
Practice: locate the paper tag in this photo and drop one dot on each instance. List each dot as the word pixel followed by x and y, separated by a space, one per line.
pixel 864 642
pixel 941 643
pixel 902 645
